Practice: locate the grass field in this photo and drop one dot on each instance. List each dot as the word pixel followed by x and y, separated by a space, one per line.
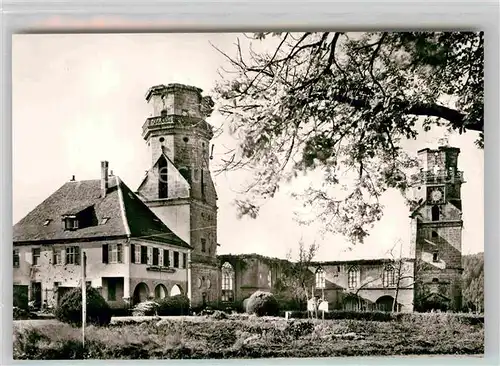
pixel 249 337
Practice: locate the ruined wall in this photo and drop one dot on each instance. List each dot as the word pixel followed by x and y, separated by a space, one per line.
pixel 369 282
pixel 205 283
pixel 442 275
pixel 251 273
pixel 204 229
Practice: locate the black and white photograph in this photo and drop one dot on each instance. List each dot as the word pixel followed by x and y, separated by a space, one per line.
pixel 247 195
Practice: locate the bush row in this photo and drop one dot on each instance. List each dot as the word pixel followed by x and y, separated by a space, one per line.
pixel 241 306
pixel 169 306
pixel 470 319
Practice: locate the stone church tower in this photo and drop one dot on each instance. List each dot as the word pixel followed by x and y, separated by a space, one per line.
pixel 437 224
pixel 178 187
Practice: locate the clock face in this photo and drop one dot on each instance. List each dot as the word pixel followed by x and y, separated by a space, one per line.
pixel 436 195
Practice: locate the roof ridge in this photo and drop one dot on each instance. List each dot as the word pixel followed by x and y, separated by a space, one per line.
pixel 122 206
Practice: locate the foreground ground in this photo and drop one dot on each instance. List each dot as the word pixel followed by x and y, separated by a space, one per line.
pixel 247 337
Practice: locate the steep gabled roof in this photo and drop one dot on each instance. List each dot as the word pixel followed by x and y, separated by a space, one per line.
pixel 126 215
pixel 161 156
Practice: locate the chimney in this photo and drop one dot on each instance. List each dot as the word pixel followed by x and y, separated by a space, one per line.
pixel 104 178
pixel 72 179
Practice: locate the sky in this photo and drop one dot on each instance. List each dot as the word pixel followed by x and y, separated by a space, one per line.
pixel 79 99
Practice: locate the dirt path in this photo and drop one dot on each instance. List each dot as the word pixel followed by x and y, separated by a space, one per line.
pixel 114 320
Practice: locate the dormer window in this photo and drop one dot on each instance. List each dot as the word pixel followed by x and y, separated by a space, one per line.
pixel 70 223
pixel 79 217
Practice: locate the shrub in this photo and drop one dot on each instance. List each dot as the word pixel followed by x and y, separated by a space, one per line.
pixel 287 304
pixel 22 314
pixel 70 309
pixel 244 304
pixel 262 303
pixel 218 315
pixel 146 308
pixel 174 305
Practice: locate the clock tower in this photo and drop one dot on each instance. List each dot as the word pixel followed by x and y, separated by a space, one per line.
pixel 437 220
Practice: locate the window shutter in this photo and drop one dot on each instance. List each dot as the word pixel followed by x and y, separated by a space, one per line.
pixel 156 253
pixel 150 255
pixel 119 253
pixel 166 258
pixel 77 256
pixel 132 253
pixel 105 253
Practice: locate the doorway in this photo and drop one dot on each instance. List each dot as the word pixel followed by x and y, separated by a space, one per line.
pixel 36 294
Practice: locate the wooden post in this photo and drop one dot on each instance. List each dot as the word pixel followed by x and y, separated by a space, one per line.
pixel 84 296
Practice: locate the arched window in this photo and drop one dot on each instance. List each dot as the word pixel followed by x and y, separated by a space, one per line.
pixel 389 278
pixel 352 277
pixel 227 282
pixel 320 278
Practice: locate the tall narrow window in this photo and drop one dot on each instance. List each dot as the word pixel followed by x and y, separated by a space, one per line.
pixel 352 277
pixel 73 255
pixel 156 255
pixel 202 184
pixel 115 253
pixel 36 256
pixel 227 282
pixel 163 179
pixel 184 260
pixel 16 258
pixel 56 256
pixel 435 213
pixel 320 278
pixel 389 276
pixel 203 245
pixel 435 257
pixel 144 254
pixel 176 259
